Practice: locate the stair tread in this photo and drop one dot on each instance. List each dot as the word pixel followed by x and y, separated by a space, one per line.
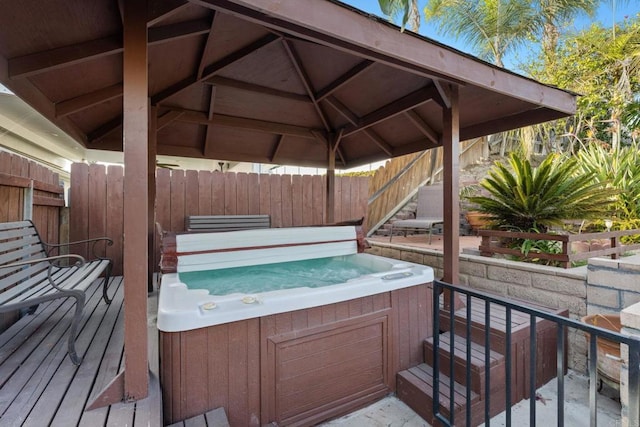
pixel 460 350
pixel 421 376
pixel 497 317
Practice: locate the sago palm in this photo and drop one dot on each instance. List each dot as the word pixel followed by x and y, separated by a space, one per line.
pixel 526 198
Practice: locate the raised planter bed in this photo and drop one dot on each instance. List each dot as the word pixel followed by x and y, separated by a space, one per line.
pixel 493 242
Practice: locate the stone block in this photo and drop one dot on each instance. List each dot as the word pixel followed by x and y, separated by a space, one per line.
pixel 473 269
pixel 577 306
pixel 630 298
pixel 488 285
pixel 620 279
pixel 563 285
pixel 374 250
pixel 630 317
pixel 509 275
pixel 433 261
pixel 390 253
pixel 604 297
pixel 411 256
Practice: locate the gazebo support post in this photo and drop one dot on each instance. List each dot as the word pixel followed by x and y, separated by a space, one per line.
pixel 151 190
pixel 136 205
pixel 451 199
pixel 332 145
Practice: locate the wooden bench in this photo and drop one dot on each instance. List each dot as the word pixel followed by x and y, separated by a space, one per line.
pixel 30 275
pixel 213 223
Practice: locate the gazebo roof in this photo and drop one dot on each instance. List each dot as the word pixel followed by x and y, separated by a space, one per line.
pixel 260 80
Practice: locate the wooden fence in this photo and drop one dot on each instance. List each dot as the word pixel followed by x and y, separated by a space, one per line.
pixel 398 181
pixel 29 191
pixel 96 206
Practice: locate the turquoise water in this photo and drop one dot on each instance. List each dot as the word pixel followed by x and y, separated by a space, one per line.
pixel 311 273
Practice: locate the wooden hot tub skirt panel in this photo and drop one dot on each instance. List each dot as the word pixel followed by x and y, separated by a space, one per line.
pixel 298 367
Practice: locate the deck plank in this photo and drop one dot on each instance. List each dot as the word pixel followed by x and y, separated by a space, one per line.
pixel 77 395
pixel 40 386
pixel 45 409
pixel 35 366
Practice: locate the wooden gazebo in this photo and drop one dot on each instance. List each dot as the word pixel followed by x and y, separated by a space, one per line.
pixel 312 82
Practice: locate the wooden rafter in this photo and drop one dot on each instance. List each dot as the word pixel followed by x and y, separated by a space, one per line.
pixel 208 137
pixel 28 65
pixel 158 10
pixel 167 118
pixel 354 119
pixel 177 31
pixel 212 69
pixel 200 118
pixel 423 126
pixel 343 79
pixel 104 130
pixel 40 62
pixel 408 102
pixel 306 81
pixel 205 48
pixel 251 87
pixel 276 148
pixel 323 138
pixel 70 106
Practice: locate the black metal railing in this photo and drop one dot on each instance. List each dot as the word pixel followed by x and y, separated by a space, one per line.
pixel 562 323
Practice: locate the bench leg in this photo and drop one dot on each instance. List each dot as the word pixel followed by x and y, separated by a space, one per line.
pixel 73 355
pixel 105 283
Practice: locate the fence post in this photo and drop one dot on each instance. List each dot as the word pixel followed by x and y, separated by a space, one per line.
pixel 27 207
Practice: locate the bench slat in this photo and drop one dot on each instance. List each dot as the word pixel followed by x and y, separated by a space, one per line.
pixel 28 284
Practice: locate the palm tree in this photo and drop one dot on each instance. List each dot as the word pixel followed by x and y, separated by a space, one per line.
pixel 408 8
pixel 491 27
pixel 555 14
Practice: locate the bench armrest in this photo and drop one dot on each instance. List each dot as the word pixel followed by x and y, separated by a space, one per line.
pixel 80 261
pixel 53 246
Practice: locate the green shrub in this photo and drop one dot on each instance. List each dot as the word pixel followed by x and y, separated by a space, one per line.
pixel 525 198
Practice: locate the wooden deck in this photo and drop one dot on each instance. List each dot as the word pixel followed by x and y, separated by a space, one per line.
pixel 40 386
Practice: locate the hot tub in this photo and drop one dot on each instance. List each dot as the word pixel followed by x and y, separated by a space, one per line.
pixel 291 356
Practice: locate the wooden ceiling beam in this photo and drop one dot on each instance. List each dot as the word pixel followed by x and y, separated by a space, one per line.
pixel 210 70
pixel 159 10
pixel 208 136
pixel 28 65
pixel 40 62
pixel 343 79
pixel 306 81
pixel 323 138
pixel 514 121
pixel 250 87
pixel 415 146
pixel 167 33
pixel 200 118
pixel 104 130
pixel 79 103
pixel 276 149
pixel 408 102
pixel 423 126
pixel 354 119
pixel 205 48
pixel 167 118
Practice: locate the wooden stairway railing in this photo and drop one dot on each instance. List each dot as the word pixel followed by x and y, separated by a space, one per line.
pixel 398 181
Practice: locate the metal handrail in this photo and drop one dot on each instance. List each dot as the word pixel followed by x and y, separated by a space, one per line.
pixel 594 332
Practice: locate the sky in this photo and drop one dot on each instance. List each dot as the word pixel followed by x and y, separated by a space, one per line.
pixel 604 15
